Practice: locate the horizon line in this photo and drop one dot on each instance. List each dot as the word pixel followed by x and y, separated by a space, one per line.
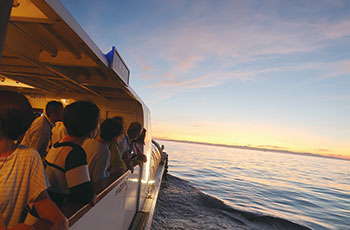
pixel 257 148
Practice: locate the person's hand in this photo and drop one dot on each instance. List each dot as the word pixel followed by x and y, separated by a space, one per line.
pixel 137 162
pixel 142 157
pixel 130 167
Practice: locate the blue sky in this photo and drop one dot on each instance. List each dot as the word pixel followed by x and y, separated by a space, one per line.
pixel 258 73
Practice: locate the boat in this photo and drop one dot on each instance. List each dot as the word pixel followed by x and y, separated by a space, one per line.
pixel 46 55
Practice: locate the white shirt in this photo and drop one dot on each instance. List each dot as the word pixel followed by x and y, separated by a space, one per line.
pixel 98 158
pixel 38 135
pixel 58 132
pixel 124 146
pixel 22 179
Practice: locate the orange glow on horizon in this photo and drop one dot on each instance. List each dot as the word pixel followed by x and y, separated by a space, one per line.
pixel 254 135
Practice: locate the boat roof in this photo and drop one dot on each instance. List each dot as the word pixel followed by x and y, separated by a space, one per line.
pixel 47 49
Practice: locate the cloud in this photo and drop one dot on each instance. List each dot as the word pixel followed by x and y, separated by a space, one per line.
pixel 206 44
pixel 144 66
pixel 185 63
pixel 203 81
pixel 339 68
pixel 272 147
pixel 334 31
pixel 323 150
pixel 220 77
pixel 186 47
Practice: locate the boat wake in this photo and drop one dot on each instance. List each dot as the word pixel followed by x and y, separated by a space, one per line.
pixel 182 206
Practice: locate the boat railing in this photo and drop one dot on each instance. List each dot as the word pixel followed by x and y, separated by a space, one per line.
pixel 74 211
pixel 107 192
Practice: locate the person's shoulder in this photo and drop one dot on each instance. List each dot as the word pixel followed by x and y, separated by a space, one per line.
pixel 39 119
pixel 75 148
pixel 93 144
pixel 70 148
pixel 76 157
pixel 28 150
pixel 89 143
pixel 38 122
pixel 27 154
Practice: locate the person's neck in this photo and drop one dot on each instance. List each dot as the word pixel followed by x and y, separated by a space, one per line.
pixel 108 143
pixel 76 140
pixel 7 147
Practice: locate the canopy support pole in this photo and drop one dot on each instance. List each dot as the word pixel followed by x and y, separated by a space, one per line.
pixel 5 11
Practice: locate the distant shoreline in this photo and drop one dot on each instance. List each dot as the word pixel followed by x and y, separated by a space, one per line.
pixel 258 149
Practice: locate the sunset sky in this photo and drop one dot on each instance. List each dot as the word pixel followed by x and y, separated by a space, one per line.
pixel 271 74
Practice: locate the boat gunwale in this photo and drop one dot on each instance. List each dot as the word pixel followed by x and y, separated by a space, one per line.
pixel 75 211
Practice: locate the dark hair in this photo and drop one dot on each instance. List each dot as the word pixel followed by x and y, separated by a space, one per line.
pixel 53 107
pixel 80 118
pixel 16 114
pixel 141 138
pixel 119 119
pixel 110 129
pixel 134 129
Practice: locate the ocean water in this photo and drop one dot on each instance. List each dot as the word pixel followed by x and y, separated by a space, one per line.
pixel 212 187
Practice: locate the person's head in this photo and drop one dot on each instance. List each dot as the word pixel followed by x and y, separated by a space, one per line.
pixel 81 118
pixel 16 114
pixel 120 120
pixel 54 111
pixel 110 129
pixel 134 130
pixel 141 138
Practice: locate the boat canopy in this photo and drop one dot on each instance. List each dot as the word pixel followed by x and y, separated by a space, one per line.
pixel 45 48
pixel 48 56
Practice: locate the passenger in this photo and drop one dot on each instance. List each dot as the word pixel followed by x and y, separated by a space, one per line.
pixel 38 136
pixel 67 168
pixel 22 177
pixel 138 147
pixel 124 143
pixel 134 131
pixel 58 132
pixel 118 165
pixel 97 149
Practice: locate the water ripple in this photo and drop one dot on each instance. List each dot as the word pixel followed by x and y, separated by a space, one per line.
pixel 308 190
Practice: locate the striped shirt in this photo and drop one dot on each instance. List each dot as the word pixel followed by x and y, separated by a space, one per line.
pixel 66 168
pixel 22 179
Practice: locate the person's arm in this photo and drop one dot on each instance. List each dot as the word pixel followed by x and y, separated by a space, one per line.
pixel 128 163
pixel 38 198
pixel 47 210
pixel 142 157
pixel 38 138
